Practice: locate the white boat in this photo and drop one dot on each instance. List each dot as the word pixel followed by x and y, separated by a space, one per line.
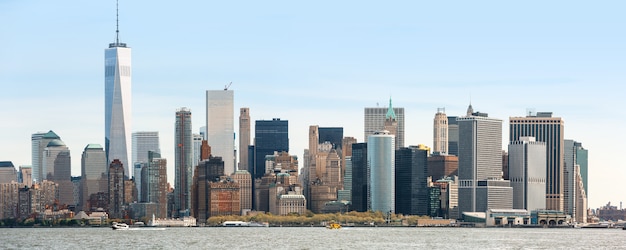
pixel 119 226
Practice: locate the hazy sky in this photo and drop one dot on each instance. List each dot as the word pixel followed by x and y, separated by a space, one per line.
pixel 319 62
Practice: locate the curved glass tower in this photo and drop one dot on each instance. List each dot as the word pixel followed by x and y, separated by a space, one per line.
pixel 381 171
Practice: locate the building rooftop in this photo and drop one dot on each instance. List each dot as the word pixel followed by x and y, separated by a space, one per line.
pixel 55 143
pixel 6 164
pixel 51 135
pixel 93 146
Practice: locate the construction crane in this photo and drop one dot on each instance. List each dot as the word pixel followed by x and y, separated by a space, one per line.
pixel 228 86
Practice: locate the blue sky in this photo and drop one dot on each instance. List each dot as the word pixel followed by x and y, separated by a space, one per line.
pixel 319 62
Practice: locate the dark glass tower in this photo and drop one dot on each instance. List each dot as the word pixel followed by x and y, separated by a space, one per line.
pixel 269 136
pixel 359 177
pixel 334 135
pixel 453 136
pixel 412 194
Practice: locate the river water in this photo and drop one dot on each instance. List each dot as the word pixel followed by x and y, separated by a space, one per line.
pixel 312 238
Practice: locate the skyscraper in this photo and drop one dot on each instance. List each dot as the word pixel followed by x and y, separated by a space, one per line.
pixel 244 142
pixel 197 149
pixel 334 135
pixel 480 165
pixel 412 194
pixel 575 175
pixel 144 141
pixel 550 130
pixel 117 100
pixel 116 189
pixel 269 136
pixel 360 177
pixel 374 120
pixel 39 142
pixel 57 167
pixel 8 173
pixel 453 136
pixel 381 171
pixel 183 162
pixel 527 172
pixel 154 178
pixel 440 132
pixel 26 175
pixel 245 189
pixel 94 173
pixel 220 126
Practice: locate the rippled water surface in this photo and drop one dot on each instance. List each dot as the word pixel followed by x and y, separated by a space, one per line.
pixel 312 238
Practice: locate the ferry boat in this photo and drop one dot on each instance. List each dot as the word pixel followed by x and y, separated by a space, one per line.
pixel 334 225
pixel 243 224
pixel 119 226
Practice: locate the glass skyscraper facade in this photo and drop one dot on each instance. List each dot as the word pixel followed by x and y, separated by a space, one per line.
pixel 143 142
pixel 269 136
pixel 220 126
pixel 359 177
pixel 381 171
pixel 412 193
pixel 334 135
pixel 117 102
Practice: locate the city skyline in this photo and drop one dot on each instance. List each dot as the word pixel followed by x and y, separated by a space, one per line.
pixel 286 61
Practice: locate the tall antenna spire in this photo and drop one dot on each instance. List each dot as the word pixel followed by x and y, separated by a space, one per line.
pixel 117 23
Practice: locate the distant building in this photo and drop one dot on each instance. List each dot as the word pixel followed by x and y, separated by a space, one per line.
pixel 285 197
pixel 117 103
pixel 143 142
pixel 527 167
pixel 334 135
pixel 453 136
pixel 346 150
pixel 550 130
pixel 326 179
pixel 440 132
pixel 360 177
pixel 130 192
pixel 224 198
pixel 244 138
pixel 269 136
pixel 346 193
pixel 441 166
pixel 244 179
pixel 116 189
pixel 8 173
pixel 39 142
pixel 575 176
pixel 374 120
pixel 94 171
pixel 207 171
pixel 9 200
pixel 381 170
pixel 57 167
pixel 220 124
pixel 155 187
pixel 444 198
pixel 197 149
pixel 26 175
pixel 481 186
pixel 412 195
pixel 183 164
